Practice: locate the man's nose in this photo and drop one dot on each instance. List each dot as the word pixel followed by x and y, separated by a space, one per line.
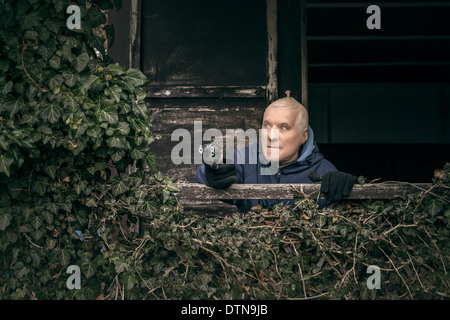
pixel 273 134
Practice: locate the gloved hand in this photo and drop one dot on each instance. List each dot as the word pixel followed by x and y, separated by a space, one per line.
pixel 220 177
pixel 336 185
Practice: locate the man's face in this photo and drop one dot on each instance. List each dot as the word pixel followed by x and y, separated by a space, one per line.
pixel 289 138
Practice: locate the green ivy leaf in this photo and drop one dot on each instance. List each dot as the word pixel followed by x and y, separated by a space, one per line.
pixel 434 207
pixel 51 113
pixel 30 20
pixel 114 92
pixel 36 222
pixel 140 93
pixel 138 153
pixel 51 171
pixel 123 128
pixel 150 161
pixel 44 34
pixel 59 6
pixel 117 142
pixel 48 216
pixel 6 160
pixel 148 207
pixel 66 51
pixel 16 186
pixel 141 193
pixel 53 25
pixel 91 202
pixel 88 268
pixel 55 81
pixel 98 166
pixel 80 62
pixel 447 216
pixel 117 155
pixel 115 69
pixel 118 186
pixel 85 293
pixel 39 185
pixel 20 270
pixel 120 265
pixel 45 52
pixel 3 143
pixel 31 35
pixel 64 255
pixel 52 207
pixel 141 108
pixel 69 79
pixel 13 106
pixel 29 119
pixel 135 77
pixel 54 62
pixel 5 218
pixel 7 88
pixel 129 280
pixel 89 82
pixel 79 187
pixel 108 114
pixel 172 187
pixel 95 16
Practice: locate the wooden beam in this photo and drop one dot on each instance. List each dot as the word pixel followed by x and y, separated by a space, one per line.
pixel 135 34
pixel 272 55
pixel 391 190
pixel 168 91
pixel 304 53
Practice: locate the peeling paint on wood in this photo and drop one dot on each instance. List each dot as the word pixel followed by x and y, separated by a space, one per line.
pixel 135 34
pixel 205 91
pixel 195 191
pixel 170 114
pixel 272 43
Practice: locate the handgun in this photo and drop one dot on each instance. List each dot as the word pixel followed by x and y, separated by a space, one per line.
pixel 211 154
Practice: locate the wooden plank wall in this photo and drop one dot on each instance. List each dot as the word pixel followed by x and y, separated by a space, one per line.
pixel 171 114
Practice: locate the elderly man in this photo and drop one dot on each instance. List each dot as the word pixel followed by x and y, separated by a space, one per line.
pixel 288 141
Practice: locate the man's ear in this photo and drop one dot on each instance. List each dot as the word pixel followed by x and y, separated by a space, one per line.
pixel 305 133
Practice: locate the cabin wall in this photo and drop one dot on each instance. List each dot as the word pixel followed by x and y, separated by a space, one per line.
pixel 378 100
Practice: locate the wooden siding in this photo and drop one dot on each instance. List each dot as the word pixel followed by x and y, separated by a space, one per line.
pixel 171 114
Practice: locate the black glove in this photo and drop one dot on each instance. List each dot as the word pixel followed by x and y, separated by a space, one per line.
pixel 336 185
pixel 220 177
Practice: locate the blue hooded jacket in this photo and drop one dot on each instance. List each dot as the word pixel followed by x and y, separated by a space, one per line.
pixel 310 159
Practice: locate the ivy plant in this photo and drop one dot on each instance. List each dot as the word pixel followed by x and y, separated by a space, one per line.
pixel 71 122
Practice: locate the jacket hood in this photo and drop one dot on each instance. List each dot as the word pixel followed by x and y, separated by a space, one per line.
pixel 308 148
pixel 308 155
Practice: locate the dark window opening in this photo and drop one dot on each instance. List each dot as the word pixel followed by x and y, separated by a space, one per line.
pixel 379 100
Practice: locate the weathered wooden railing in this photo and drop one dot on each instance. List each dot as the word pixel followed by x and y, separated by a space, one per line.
pixel 204 198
